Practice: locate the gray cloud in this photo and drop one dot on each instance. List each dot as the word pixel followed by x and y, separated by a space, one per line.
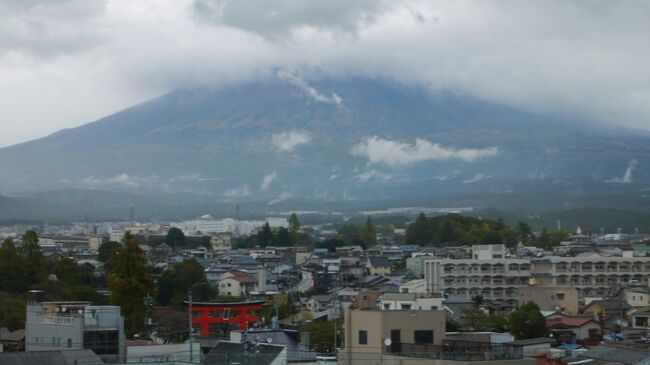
pixel 276 18
pixel 82 59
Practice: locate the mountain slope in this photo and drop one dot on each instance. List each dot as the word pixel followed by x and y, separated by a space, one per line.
pixel 282 138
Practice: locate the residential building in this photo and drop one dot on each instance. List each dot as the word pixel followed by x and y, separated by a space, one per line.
pixel 564 328
pixel 416 264
pixel 605 309
pixel 590 273
pixel 414 286
pixel 236 283
pixel 640 318
pixel 561 299
pixel 637 296
pixel 488 252
pixel 367 330
pixel 221 243
pixel 379 266
pixel 403 301
pixel 415 337
pixel 52 326
pixel 493 279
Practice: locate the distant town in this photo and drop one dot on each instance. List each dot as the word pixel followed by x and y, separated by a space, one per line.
pixel 448 288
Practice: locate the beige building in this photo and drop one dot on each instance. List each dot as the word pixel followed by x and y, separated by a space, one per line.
pixel 221 243
pixel 367 330
pixel 415 337
pixel 401 301
pixel 559 299
pixel 637 297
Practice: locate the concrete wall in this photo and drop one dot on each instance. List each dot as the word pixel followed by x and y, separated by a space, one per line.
pixel 554 298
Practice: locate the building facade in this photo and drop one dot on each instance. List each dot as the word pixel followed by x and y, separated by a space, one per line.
pixel 54 326
pixel 501 279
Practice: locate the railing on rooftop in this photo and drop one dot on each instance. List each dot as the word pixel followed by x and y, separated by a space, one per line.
pixel 459 351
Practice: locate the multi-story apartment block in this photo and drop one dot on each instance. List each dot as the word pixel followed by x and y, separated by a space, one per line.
pixel 592 274
pixel 500 279
pixel 491 278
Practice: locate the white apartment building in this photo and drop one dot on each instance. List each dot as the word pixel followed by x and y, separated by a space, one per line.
pixel 491 278
pixel 591 274
pixel 206 225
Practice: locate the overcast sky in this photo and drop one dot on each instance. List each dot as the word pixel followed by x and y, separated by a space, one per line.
pixel 67 62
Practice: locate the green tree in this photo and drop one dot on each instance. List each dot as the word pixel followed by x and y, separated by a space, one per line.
pixel 203 291
pixel 265 235
pixel 491 238
pixel 544 240
pixel 473 318
pixel 447 232
pixel 369 234
pixel 12 311
pixel 294 225
pixel 452 326
pixel 13 272
pixel 527 322
pixel 106 250
pixel 189 272
pixel 175 238
pixel 524 232
pixel 35 266
pixel 167 286
pixel 283 237
pixel 495 323
pixel 419 232
pixel 349 233
pixel 129 283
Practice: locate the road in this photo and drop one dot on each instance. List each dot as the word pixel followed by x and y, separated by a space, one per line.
pixel 306 283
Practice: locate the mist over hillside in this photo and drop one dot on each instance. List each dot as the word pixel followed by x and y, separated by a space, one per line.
pixel 349 142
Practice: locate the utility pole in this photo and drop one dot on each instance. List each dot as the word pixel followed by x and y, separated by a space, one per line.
pixel 147 305
pixel 190 326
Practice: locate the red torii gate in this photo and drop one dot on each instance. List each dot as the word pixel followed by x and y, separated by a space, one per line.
pixel 205 314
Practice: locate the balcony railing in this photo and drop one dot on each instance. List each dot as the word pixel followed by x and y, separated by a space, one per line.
pixel 459 351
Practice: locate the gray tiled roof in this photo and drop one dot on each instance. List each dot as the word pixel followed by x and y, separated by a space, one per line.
pixel 618 354
pixel 296 351
pixel 65 357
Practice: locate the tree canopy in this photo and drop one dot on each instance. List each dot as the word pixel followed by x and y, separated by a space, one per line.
pixel 527 322
pixel 175 238
pixel 130 283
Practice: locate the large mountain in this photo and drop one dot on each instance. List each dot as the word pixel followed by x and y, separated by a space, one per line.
pixel 328 140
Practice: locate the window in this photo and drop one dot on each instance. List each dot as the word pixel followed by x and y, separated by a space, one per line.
pixel 226 313
pixel 365 297
pixel 434 307
pixel 53 341
pixel 69 342
pixel 363 337
pixel 560 296
pixel 406 306
pixel 423 337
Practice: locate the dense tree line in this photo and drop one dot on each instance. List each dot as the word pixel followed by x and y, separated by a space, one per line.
pixel 25 268
pixel 456 229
